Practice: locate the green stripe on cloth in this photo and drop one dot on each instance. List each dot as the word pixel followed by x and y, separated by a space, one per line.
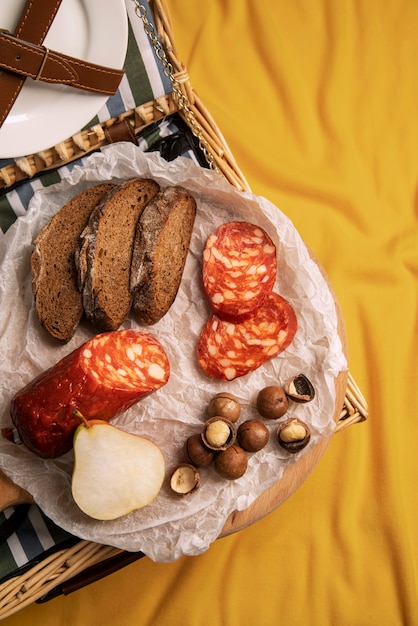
pixel 7 562
pixel 136 72
pixel 7 215
pixel 50 178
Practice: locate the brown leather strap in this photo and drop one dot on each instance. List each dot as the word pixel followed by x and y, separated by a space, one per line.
pixel 36 19
pixel 40 63
pixel 33 26
pixel 120 131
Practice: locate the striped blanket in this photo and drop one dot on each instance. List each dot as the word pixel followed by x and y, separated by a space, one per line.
pixel 36 536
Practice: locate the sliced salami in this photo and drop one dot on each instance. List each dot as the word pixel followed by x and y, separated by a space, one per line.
pixel 229 350
pixel 239 269
pixel 102 378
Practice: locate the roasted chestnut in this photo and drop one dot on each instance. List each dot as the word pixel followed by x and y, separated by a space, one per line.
pixel 226 405
pixel 184 479
pixel 293 435
pixel 231 463
pixel 272 402
pixel 218 433
pixel 299 388
pixel 252 435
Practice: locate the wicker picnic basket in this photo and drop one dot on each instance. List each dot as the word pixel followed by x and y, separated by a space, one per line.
pixel 68 569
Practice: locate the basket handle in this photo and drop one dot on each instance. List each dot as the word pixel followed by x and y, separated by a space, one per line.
pixel 92 574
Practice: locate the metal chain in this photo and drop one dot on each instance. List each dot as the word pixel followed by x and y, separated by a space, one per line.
pixel 181 99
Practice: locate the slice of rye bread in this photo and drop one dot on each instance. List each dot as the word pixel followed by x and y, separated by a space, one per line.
pixel 162 240
pixel 58 300
pixel 104 257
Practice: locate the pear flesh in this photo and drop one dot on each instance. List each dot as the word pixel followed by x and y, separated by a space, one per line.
pixel 115 472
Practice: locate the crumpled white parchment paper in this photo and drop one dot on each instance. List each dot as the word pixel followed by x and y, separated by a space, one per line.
pixel 170 526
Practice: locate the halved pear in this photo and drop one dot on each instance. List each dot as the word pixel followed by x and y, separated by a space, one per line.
pixel 115 472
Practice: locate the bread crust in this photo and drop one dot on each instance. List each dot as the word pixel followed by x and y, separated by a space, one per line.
pixel 160 249
pixel 110 249
pixel 57 298
pixel 104 257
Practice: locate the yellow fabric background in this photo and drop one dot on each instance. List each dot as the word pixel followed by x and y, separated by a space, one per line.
pixel 318 101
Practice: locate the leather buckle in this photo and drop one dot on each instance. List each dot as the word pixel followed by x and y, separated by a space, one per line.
pixel 4 31
pixel 44 60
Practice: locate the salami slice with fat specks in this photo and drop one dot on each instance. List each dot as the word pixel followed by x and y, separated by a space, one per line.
pixel 101 378
pixel 239 269
pixel 228 350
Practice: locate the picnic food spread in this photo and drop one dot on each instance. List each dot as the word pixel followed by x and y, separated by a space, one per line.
pixel 125 246
pixel 174 417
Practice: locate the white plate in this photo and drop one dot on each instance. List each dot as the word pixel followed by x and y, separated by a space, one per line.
pixel 43 114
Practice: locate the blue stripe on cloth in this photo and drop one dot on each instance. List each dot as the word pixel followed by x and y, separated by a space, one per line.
pixel 41 528
pixel 25 194
pixel 115 105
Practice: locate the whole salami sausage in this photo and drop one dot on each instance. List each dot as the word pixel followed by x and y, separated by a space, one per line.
pixel 101 378
pixel 239 269
pixel 227 350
